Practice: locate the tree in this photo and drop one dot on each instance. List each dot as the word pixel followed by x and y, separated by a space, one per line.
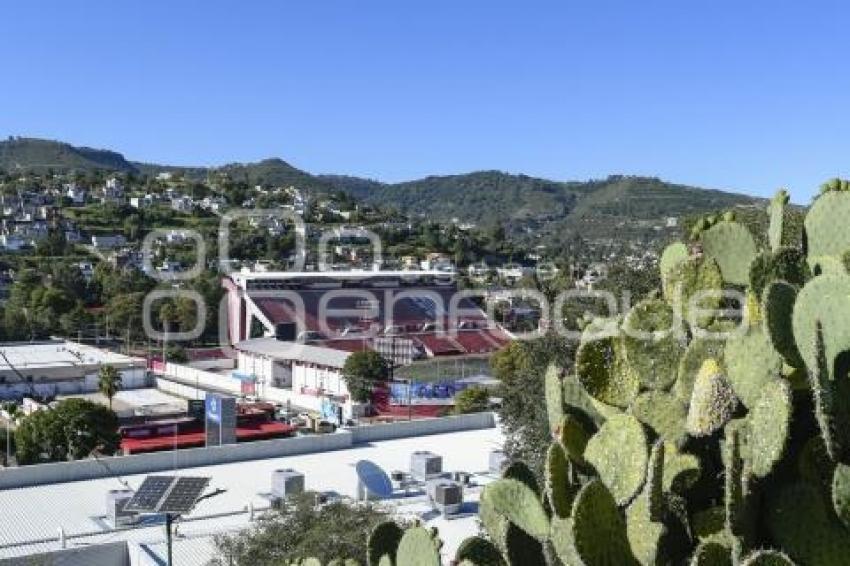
pixel 108 381
pixel 73 429
pixel 301 528
pixel 362 371
pixel 520 367
pixel 472 400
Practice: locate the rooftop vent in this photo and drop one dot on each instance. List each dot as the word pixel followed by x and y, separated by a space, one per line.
pixel 445 495
pixel 116 500
pixel 287 482
pixel 425 465
pixel 498 462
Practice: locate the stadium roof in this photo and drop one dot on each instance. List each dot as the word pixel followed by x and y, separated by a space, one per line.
pixel 292 351
pixel 33 515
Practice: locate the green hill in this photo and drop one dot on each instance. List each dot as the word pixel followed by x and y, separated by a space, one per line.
pixel 603 208
pixel 491 196
pixel 30 154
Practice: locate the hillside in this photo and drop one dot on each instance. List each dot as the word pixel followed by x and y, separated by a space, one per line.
pixel 487 196
pixel 597 208
pixel 22 154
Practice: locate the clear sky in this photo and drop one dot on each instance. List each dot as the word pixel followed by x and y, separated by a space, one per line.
pixel 737 95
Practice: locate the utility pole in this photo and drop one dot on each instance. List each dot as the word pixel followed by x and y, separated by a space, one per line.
pixel 169 519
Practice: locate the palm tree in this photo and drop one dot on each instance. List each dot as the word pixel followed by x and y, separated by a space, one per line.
pixel 109 382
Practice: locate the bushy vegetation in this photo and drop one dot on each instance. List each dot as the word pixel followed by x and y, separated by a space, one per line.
pixel 72 429
pixel 301 528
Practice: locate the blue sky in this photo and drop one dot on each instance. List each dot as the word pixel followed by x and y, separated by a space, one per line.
pixel 747 96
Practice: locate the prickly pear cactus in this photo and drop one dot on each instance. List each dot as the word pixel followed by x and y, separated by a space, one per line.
pixel 418 547
pixel 619 454
pixel 729 444
pixel 732 246
pixel 776 214
pixel 383 540
pixel 712 402
pixel 751 362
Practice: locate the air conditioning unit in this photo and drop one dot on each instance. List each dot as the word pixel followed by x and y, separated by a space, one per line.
pixel 445 495
pixel 116 501
pixel 498 462
pixel 287 482
pixel 425 464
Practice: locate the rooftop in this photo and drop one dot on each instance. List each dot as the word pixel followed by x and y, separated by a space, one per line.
pixel 292 351
pixel 33 515
pixel 58 353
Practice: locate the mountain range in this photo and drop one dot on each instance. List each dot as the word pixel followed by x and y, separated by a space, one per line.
pixel 481 197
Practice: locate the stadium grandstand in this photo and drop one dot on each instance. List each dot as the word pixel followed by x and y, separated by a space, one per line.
pixel 347 310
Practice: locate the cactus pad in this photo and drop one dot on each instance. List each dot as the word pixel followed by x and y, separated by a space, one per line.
pixel 799 522
pixel 712 402
pixel 520 505
pixel 577 401
pixel 599 533
pixel 604 373
pixel 644 526
pixel 696 276
pixel 712 553
pixel 776 214
pixel 697 352
pixel 573 438
pixel 681 470
pixel 383 540
pixel 495 525
pixel 767 558
pixel 554 395
pixel 825 298
pixel 732 246
pixel 769 427
pixel 559 487
pixel 673 255
pixel 787 264
pixel 418 547
pixel 841 492
pixel 618 452
pixel 751 363
pixel 825 225
pixel 561 537
pixel 651 338
pixel 522 548
pixel 663 412
pixel 778 300
pixel 480 552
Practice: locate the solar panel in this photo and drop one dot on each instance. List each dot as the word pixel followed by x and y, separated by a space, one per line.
pixel 167 494
pixel 183 495
pixel 149 494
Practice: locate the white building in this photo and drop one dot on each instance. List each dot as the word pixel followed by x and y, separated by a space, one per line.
pixel 75 193
pixel 53 367
pixel 182 203
pixel 313 374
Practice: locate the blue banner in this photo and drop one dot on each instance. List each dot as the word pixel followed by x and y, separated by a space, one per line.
pixel 425 393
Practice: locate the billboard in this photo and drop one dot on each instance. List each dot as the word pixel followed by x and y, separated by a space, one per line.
pixel 425 393
pixel 220 419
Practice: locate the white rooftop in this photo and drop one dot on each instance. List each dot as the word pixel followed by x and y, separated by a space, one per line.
pixel 26 355
pixel 282 350
pixel 33 515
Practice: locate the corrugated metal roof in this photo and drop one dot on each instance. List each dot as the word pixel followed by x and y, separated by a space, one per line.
pixel 33 515
pixel 292 351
